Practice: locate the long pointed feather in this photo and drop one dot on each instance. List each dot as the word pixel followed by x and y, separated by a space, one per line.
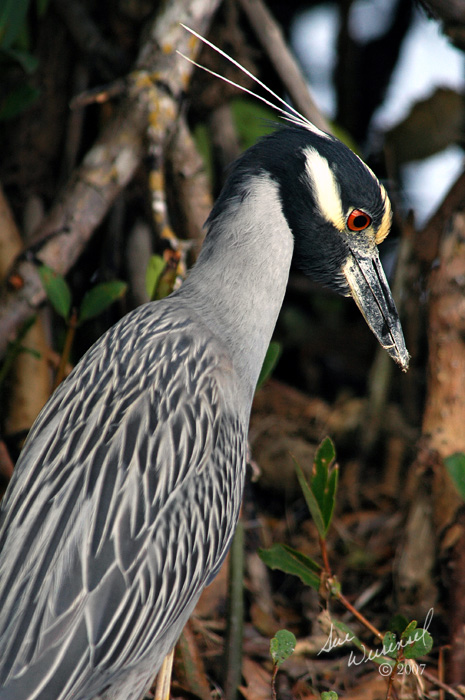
pixel 289 113
pixel 285 113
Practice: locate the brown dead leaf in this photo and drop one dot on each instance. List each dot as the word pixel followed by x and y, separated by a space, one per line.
pixel 213 597
pixel 372 686
pixel 257 679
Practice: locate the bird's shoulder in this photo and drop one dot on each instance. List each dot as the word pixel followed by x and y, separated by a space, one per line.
pixel 128 471
pixel 157 372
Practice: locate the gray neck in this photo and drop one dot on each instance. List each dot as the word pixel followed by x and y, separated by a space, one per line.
pixel 238 283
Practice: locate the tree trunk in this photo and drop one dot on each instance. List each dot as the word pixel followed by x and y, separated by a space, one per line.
pixel 443 426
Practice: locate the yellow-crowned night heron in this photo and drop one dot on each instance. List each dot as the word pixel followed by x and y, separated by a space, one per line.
pixel 125 498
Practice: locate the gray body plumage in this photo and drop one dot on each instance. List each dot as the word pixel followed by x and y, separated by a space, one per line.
pixel 125 498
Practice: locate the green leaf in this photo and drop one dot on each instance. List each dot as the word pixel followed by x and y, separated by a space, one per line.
pixel 455 465
pixel 57 290
pixel 17 101
pixel 398 624
pixel 320 493
pixel 154 271
pixel 329 695
pixel 347 635
pixel 324 482
pixel 325 455
pixel 15 347
pixel 282 646
pixel 27 61
pixel 204 147
pixel 409 630
pixel 99 298
pixel 252 120
pixel 330 499
pixel 390 645
pixel 271 359
pixel 42 6
pixel 289 560
pixel 12 17
pixel 311 501
pixel 419 642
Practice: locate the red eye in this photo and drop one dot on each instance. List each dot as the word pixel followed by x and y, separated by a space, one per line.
pixel 358 220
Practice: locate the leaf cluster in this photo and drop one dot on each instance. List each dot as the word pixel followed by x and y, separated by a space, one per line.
pixel 404 640
pixel 95 301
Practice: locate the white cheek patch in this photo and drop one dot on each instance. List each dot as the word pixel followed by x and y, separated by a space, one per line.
pixel 385 226
pixel 328 196
pixel 325 188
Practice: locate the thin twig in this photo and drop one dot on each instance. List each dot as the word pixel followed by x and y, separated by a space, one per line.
pixel 439 684
pixel 233 644
pixel 99 94
pixel 361 618
pixel 324 554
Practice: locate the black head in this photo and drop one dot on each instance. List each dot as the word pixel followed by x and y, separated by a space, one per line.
pixel 337 212
pixel 332 201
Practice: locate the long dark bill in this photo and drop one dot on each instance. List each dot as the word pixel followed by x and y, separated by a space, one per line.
pixel 370 290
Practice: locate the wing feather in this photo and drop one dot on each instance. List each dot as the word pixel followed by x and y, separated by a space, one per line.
pixel 122 507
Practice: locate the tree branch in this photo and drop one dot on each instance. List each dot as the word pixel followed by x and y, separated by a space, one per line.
pixel 270 36
pixel 155 89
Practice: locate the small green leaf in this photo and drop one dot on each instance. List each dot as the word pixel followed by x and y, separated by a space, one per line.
pixel 204 147
pixel 347 635
pixel 289 560
pixel 282 646
pixel 324 482
pixel 329 502
pixel 398 624
pixel 26 60
pixel 271 359
pixel 154 271
pixel 31 352
pixel 12 18
pixel 409 630
pixel 455 465
pixel 252 120
pixel 17 101
pixel 325 455
pixel 329 695
pixel 57 290
pixel 99 298
pixel 419 642
pixel 390 645
pixel 42 6
pixel 311 501
pixel 320 492
pixel 15 347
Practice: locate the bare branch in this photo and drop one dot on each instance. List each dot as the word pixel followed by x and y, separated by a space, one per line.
pixel 272 41
pixel 155 89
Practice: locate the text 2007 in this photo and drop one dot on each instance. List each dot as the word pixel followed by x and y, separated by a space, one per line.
pixel 405 669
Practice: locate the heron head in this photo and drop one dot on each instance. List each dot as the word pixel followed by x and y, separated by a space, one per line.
pixel 338 212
